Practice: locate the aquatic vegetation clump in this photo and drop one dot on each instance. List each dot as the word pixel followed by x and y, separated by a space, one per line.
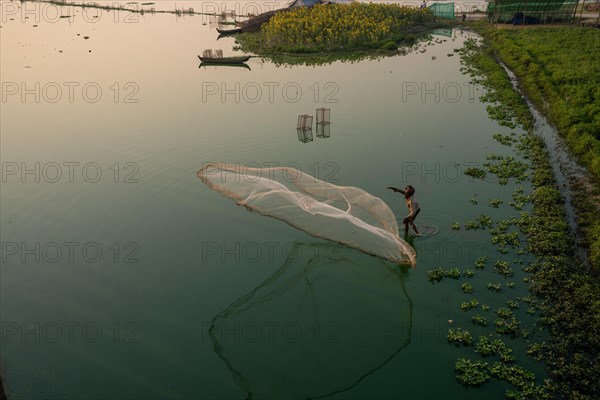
pixel 506 167
pixel 467 305
pixel 488 348
pixel 494 287
pixel 495 203
pixel 503 268
pixel 512 304
pixel 481 222
pixel 474 172
pixel 436 275
pixel 471 373
pixel 341 27
pixel 479 320
pixel 507 140
pixel 480 262
pixel 459 336
pixel 467 288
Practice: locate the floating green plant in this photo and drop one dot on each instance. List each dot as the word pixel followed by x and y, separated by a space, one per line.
pixel 504 313
pixel 467 288
pixel 513 304
pixel 455 226
pixel 471 225
pixel 507 239
pixel 494 287
pixel 453 273
pixel 485 221
pixel 479 320
pixel 507 140
pixel 475 172
pixel 480 262
pixel 469 273
pixel 471 373
pixel 503 268
pixel 459 336
pixel 495 203
pixel 507 326
pixel 435 275
pixel 506 167
pixel 474 200
pixel 467 305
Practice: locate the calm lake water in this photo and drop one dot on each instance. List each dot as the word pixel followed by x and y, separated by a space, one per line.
pixel 124 276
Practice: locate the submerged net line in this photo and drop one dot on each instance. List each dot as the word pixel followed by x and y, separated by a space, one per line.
pixel 343 214
pixel 315 288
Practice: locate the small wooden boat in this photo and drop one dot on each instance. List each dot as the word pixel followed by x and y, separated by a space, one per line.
pixel 224 60
pixel 229 31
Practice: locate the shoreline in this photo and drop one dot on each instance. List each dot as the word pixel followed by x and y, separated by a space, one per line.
pixel 569 293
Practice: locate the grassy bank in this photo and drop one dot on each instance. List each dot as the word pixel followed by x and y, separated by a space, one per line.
pixel 338 28
pixel 569 297
pixel 559 70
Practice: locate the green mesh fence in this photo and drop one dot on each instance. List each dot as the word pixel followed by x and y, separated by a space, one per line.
pixel 443 10
pixel 531 12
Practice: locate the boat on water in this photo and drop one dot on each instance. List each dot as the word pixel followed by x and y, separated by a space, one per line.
pixel 224 60
pixel 229 31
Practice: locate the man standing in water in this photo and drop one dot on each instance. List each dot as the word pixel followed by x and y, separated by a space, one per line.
pixel 413 207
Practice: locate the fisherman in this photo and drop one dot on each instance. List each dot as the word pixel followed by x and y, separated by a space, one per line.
pixel 413 207
pixel 423 5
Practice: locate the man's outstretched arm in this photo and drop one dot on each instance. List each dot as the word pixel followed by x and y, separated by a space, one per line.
pixel 395 189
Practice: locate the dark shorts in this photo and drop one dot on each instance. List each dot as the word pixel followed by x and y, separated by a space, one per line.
pixel 411 219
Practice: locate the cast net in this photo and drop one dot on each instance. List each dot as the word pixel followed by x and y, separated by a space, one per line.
pixel 343 214
pixel 323 322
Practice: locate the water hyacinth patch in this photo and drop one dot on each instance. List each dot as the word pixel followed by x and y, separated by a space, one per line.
pixel 479 320
pixel 480 262
pixel 494 287
pixel 467 288
pixel 467 305
pixel 459 336
pixel 475 172
pixel 507 140
pixel 495 203
pixel 503 268
pixel 471 373
pixel 513 304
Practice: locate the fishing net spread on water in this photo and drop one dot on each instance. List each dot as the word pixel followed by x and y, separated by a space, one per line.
pixel 322 323
pixel 343 214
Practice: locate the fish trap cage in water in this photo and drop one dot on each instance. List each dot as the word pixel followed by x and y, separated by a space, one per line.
pixel 323 116
pixel 323 131
pixel 304 122
pixel 305 135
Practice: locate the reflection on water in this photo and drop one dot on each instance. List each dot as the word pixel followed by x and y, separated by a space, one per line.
pixel 204 65
pixel 324 321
